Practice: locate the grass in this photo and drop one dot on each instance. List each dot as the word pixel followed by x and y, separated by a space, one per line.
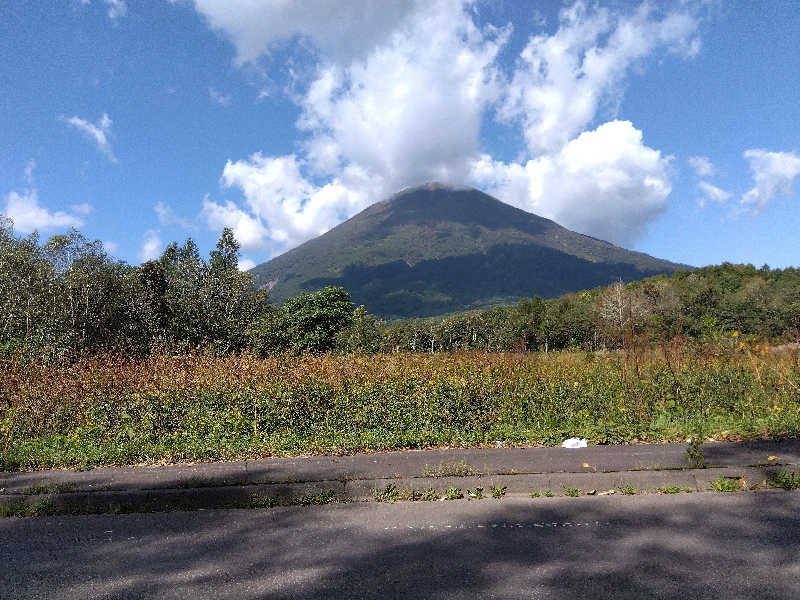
pixel 450 469
pixel 476 494
pixel 453 493
pixel 498 491
pixel 572 492
pixel 51 488
pixel 785 479
pixel 391 494
pixel 115 410
pixel 627 489
pixel 726 484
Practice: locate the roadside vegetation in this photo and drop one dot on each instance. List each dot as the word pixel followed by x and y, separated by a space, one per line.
pixel 180 359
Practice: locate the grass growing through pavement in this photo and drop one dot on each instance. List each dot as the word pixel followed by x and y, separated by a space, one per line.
pixel 117 410
pixel 450 469
pixel 572 492
pixel 627 489
pixel 725 484
pixel 785 479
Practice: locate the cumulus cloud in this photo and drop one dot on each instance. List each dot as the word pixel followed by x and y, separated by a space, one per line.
pixel 701 166
pixel 712 193
pixel 564 78
pixel 249 231
pixel 398 93
pixel 28 215
pixel 151 246
pixel 773 173
pixel 605 183
pixel 245 264
pixel 98 132
pixel 167 216
pixel 342 30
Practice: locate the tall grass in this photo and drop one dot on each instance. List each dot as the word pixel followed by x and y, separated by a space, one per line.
pixel 117 410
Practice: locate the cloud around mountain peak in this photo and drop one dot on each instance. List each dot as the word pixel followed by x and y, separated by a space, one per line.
pixel 399 96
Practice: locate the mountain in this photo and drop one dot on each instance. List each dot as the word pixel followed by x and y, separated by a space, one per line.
pixel 435 249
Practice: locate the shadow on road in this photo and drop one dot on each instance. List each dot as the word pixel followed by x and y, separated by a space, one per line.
pixel 739 546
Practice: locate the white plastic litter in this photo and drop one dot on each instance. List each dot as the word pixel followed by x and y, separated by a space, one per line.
pixel 574 443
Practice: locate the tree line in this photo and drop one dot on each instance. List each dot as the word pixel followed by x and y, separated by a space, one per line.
pixel 67 296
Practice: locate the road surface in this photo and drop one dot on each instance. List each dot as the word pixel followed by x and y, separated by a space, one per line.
pixel 744 545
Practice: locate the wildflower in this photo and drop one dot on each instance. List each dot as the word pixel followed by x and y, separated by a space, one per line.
pixel 735 334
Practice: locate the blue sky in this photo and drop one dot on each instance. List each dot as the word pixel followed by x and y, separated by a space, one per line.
pixel 672 128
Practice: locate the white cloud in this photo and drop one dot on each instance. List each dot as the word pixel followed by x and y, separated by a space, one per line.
pixel 712 193
pixel 84 208
pixel 605 183
pixel 24 209
pixel 564 78
pixel 399 91
pixel 151 247
pixel 98 132
pixel 219 97
pixel 773 173
pixel 343 30
pixel 247 230
pixel 116 9
pixel 701 165
pixel 245 264
pixel 167 216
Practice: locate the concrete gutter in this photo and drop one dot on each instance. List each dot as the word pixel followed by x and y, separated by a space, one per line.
pixel 355 478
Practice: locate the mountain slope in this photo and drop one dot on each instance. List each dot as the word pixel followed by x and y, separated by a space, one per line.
pixel 434 249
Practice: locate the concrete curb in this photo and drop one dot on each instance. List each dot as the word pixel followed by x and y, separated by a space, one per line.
pixel 266 495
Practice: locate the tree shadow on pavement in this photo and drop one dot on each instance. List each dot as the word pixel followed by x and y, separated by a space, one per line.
pixel 742 545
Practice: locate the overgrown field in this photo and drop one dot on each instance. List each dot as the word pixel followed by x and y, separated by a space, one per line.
pixel 107 410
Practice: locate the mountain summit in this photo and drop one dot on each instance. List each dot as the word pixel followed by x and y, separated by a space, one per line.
pixel 435 249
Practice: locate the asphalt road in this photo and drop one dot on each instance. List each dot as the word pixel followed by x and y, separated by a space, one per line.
pixel 744 545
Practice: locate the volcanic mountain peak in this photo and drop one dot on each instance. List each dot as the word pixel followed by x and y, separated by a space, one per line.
pixel 434 248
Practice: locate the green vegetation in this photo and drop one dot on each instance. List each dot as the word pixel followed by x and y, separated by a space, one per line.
pixel 498 491
pixel 536 494
pixel 476 494
pixel 115 409
pixel 453 493
pixel 572 492
pixel 548 494
pixel 450 469
pixel 726 484
pixel 785 479
pixel 668 489
pixel 627 489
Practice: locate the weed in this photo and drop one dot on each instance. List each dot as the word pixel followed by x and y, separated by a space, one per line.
pixel 15 509
pixel 785 480
pixel 627 489
pixel 450 469
pixel 52 488
pixel 453 493
pixel 323 497
pixel 498 491
pixel 535 494
pixel 694 451
pixel 572 492
pixel 668 489
pixel 476 494
pixel 388 494
pixel 725 484
pixel 429 495
pixel 687 489
pixel 43 507
pixel 548 494
pixel 259 501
